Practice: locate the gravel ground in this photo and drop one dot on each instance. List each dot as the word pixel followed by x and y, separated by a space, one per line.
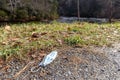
pixel 94 63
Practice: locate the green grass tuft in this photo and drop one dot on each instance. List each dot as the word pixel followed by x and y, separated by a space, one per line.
pixel 73 40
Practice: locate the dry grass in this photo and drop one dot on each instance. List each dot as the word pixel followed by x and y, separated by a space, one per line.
pixel 21 39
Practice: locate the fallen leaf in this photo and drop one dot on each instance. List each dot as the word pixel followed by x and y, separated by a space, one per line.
pixel 1 62
pixel 60 41
pixel 1 65
pixel 5 68
pixel 75 59
pixel 8 28
pixel 41 55
pixel 35 35
pixel 68 28
pixel 4 43
pixel 52 36
pixel 64 57
pixel 15 39
pixel 34 56
pixel 44 33
pixel 43 73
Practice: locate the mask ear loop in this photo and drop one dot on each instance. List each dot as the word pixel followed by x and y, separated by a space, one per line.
pixel 35 69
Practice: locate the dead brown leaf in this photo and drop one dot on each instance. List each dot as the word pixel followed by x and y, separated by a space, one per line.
pixel 43 73
pixel 4 43
pixel 8 28
pixel 1 62
pixel 34 56
pixel 68 28
pixel 52 36
pixel 60 41
pixel 35 35
pixel 5 68
pixel 74 60
pixel 15 39
pixel 64 57
pixel 44 33
pixel 41 55
pixel 1 65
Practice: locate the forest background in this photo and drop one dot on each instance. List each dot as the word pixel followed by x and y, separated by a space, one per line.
pixel 28 10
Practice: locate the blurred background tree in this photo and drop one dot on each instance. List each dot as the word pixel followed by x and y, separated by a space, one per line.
pixel 16 10
pixel 28 9
pixel 90 8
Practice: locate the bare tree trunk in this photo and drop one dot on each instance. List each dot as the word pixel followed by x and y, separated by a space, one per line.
pixel 15 4
pixel 78 9
pixel 111 11
pixel 11 5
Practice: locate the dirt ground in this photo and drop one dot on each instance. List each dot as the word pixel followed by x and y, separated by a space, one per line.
pixel 87 63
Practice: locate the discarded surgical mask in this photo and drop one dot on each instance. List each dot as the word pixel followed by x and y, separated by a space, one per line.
pixel 48 59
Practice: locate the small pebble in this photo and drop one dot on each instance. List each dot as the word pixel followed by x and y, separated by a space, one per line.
pixel 118 50
pixel 69 72
pixel 102 70
pixel 17 67
pixel 8 70
pixel 1 66
pixel 34 79
pixel 1 74
pixel 118 69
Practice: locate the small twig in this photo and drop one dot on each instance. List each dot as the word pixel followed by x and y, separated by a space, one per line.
pixel 5 68
pixel 22 70
pixel 26 76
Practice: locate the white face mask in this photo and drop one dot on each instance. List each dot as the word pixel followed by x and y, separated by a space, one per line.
pixel 48 59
